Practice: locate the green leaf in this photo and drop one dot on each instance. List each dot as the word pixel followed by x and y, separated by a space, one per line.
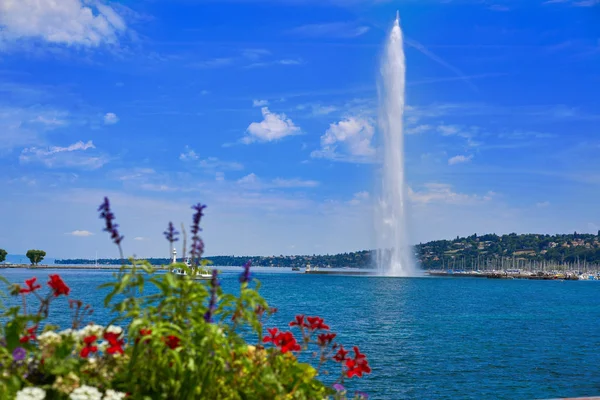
pixel 13 332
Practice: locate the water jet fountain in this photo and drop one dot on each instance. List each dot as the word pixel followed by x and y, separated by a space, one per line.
pixel 394 252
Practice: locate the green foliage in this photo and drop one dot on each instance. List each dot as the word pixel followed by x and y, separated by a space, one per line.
pixel 182 339
pixel 35 256
pixel 172 349
pixel 471 250
pixel 213 360
pixel 3 254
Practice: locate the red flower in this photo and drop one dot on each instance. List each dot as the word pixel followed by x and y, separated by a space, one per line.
pixel 273 332
pixel 115 344
pixel 325 338
pixel 172 342
pixel 144 332
pixel 316 323
pixel 340 355
pixel 284 340
pixel 358 365
pixel 30 335
pixel 287 342
pixel 31 286
pixel 259 310
pixel 89 346
pixel 58 286
pixel 299 322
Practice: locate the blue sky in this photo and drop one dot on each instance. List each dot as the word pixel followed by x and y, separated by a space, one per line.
pixel 266 111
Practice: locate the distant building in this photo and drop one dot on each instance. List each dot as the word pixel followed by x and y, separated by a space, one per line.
pixel 525 252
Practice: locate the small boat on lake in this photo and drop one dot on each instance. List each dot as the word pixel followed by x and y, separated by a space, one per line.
pixel 308 269
pixel 295 268
pixel 196 273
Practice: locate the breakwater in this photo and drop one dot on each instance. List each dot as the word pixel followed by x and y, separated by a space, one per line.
pixel 361 273
pixel 571 275
pixel 86 267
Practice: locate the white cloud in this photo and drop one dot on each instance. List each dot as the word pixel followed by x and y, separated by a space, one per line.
pixel 443 193
pixel 213 63
pixel 110 118
pixel 252 181
pixel 80 233
pixel 542 204
pixel 139 238
pixel 60 157
pixel 273 127
pixel 135 174
pixel 69 22
pixel 189 155
pixel 460 159
pixel 255 54
pixel 318 109
pixel 353 135
pixel 323 110
pixel 285 61
pixel 155 187
pixel 260 103
pixel 359 198
pixel 215 163
pixel 448 130
pixel 578 3
pixel 204 92
pixel 331 30
pixel 25 126
pixel 73 147
pixel 418 129
pixel 294 183
pixel 249 179
pixel 49 122
pixel 219 176
pixel 247 58
pixel 289 61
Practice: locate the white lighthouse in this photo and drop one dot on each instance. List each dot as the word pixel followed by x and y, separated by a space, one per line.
pixel 174 256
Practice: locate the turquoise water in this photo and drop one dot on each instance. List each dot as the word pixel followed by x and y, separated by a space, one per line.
pixel 431 338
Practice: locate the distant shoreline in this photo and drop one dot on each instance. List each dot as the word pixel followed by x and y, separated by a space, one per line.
pixel 59 266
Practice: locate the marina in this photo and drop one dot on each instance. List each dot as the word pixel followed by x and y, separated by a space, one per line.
pixel 516 274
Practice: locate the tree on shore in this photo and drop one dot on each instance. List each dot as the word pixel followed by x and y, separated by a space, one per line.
pixel 35 256
pixel 3 254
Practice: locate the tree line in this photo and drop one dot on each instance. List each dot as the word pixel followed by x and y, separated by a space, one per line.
pixel 469 250
pixel 35 256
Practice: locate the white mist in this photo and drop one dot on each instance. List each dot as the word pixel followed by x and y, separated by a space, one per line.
pixel 394 253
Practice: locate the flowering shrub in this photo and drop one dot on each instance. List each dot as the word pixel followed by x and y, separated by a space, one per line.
pixel 182 340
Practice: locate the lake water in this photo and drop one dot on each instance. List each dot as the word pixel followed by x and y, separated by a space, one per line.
pixel 430 338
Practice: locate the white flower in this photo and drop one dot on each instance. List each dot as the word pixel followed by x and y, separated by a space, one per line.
pixel 85 393
pixel 49 338
pixel 114 329
pixel 91 330
pixel 31 393
pixel 113 395
pixel 103 345
pixel 68 333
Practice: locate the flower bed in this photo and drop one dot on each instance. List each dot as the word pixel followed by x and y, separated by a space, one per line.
pixel 183 342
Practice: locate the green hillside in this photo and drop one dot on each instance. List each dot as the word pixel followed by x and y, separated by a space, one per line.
pixel 463 252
